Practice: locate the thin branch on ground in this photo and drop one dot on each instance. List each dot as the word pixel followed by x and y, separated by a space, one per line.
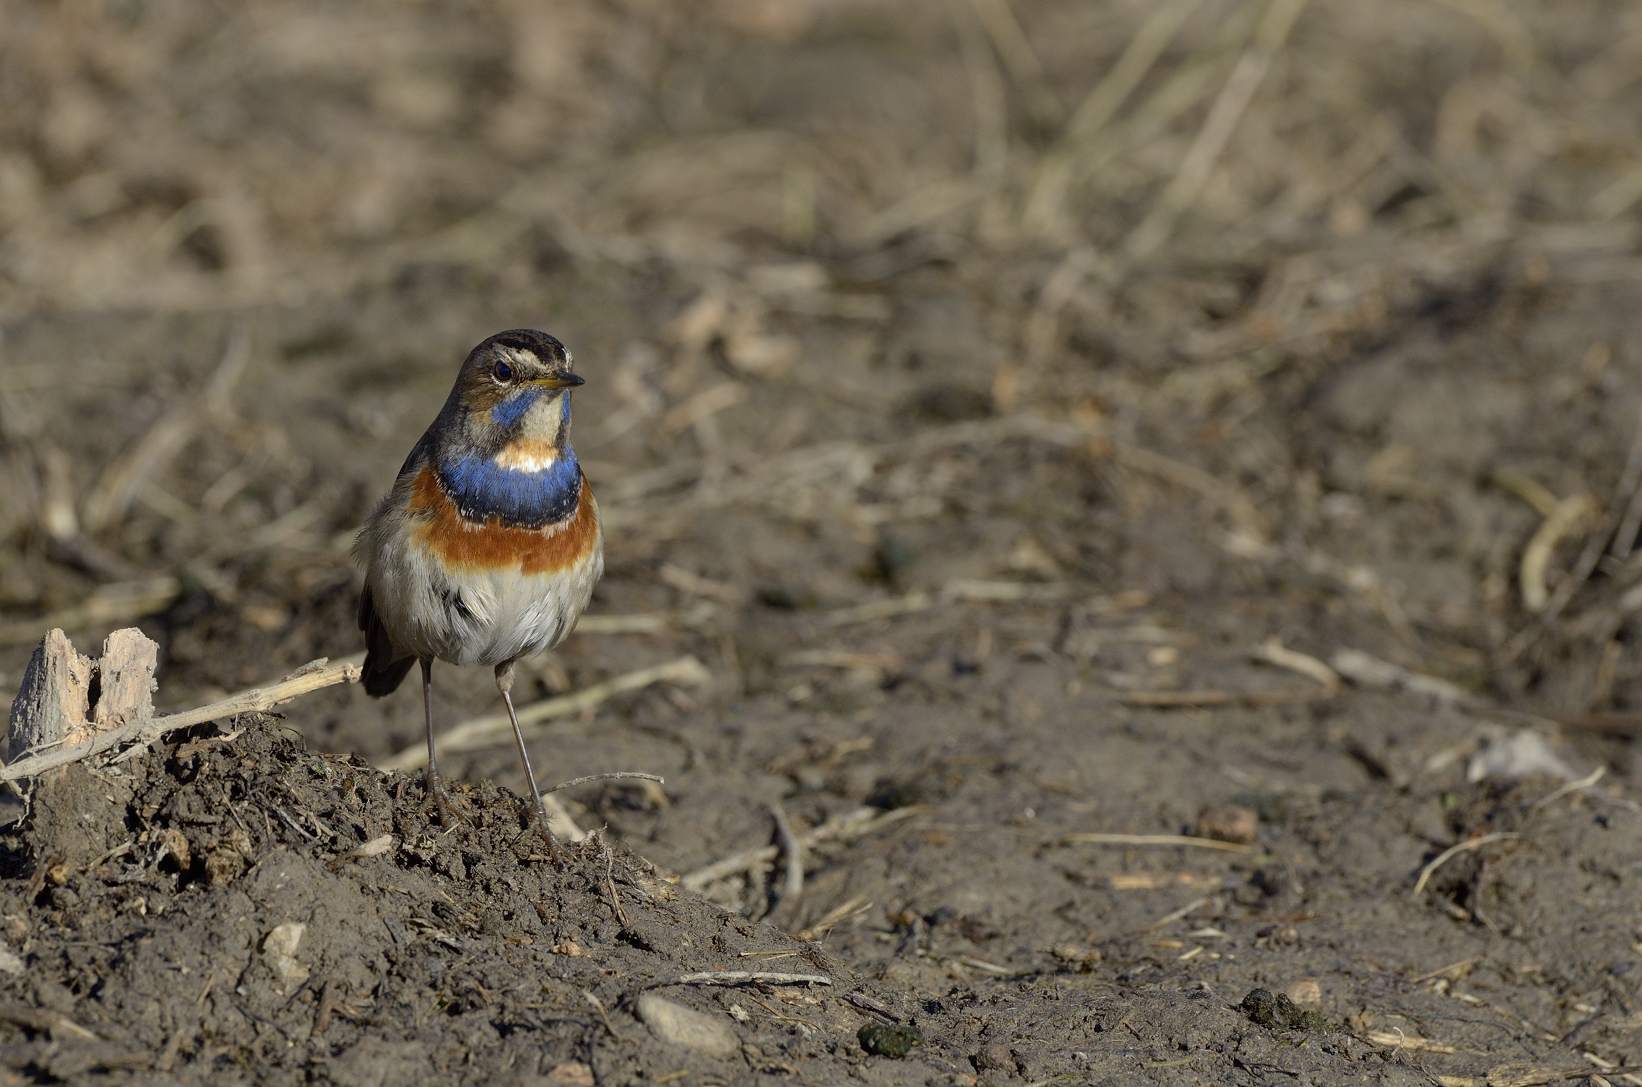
pixel 480 732
pixel 1179 841
pixel 852 824
pixel 1467 846
pixel 751 977
pixel 311 677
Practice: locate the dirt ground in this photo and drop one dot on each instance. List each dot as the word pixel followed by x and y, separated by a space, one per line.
pixel 1157 484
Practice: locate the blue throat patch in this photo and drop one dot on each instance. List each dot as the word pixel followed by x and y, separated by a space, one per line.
pixel 482 489
pixel 511 410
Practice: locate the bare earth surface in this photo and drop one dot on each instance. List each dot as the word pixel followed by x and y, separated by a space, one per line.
pixel 1156 483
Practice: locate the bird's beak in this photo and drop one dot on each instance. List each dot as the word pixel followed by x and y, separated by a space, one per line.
pixel 560 381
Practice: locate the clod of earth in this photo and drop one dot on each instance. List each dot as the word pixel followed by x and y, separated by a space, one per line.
pixel 1274 1011
pixel 1229 823
pixel 882 1040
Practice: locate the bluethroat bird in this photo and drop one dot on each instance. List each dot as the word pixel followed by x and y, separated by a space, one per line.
pixel 487 548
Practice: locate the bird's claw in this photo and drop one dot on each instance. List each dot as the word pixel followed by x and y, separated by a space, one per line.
pixel 439 803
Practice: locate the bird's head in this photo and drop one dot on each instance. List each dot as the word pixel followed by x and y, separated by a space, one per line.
pixel 513 392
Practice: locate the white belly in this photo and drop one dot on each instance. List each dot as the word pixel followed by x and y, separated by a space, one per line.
pixel 477 616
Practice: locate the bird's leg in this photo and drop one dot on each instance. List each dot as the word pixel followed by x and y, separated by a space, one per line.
pixel 504 683
pixel 436 792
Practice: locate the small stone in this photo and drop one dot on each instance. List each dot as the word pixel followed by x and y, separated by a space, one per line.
pixel 10 961
pixel 672 1022
pixel 223 865
pixel 882 1040
pixel 994 1058
pixel 227 858
pixel 570 1074
pixel 1077 956
pixel 174 844
pixel 1306 992
pixel 279 949
pixel 1523 754
pixel 1229 823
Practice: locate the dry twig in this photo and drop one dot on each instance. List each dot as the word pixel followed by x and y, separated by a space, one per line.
pixel 1467 846
pixel 310 677
pixel 792 885
pixel 751 977
pixel 1183 188
pixel 1190 699
pixel 481 732
pixel 1569 516
pixel 613 775
pixel 851 824
pixel 1182 841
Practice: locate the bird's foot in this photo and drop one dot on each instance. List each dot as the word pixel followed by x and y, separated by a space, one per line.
pixel 555 852
pixel 438 803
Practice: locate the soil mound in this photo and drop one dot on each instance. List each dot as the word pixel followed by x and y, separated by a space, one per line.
pixel 234 908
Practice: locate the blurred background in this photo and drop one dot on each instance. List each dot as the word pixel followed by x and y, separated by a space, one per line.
pixel 978 389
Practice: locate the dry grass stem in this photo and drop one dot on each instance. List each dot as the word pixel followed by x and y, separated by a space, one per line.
pixel 1164 700
pixel 1516 1075
pixel 1571 515
pixel 1624 514
pixel 108 605
pixel 1467 846
pixel 1157 881
pixel 612 775
pixel 1228 109
pixel 1272 651
pixel 1045 203
pixel 1166 841
pixel 1398 1039
pixel 1369 671
pixel 1571 787
pixel 751 977
pixel 1217 493
pixel 480 732
pixel 1180 914
pixel 852 824
pixel 792 883
pixel 853 907
pixel 969 591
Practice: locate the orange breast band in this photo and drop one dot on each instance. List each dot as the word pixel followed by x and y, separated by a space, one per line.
pixel 491 545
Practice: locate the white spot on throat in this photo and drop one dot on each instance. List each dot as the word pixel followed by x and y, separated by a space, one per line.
pixel 526 457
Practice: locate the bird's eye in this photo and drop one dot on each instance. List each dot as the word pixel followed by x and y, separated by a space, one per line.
pixel 502 372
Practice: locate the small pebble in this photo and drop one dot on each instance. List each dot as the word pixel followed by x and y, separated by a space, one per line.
pixel 672 1022
pixel 570 1074
pixel 1229 823
pixel 994 1058
pixel 279 950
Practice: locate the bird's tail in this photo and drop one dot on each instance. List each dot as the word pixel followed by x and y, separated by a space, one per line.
pixel 385 667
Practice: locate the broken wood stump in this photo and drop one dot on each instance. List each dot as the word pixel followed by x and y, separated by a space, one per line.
pixel 67 698
pixel 72 708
